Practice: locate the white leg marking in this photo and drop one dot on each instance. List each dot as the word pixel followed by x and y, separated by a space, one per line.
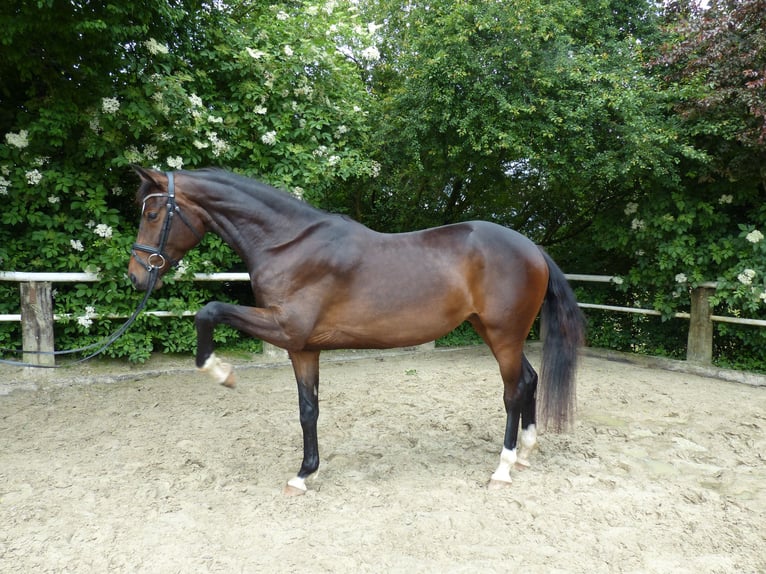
pixel 218 370
pixel 297 482
pixel 507 460
pixel 528 444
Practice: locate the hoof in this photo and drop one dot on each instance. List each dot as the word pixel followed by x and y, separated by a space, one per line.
pixel 295 487
pixel 292 491
pixel 522 464
pixel 230 382
pixel 495 484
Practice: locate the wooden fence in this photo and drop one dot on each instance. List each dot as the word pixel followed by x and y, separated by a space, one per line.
pixel 37 317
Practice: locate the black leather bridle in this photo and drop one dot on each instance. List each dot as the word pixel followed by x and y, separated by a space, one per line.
pixel 157 258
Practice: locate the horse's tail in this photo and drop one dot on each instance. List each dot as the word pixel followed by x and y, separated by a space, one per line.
pixel 562 326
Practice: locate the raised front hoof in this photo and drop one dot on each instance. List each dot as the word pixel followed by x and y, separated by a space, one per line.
pixel 230 382
pixel 495 484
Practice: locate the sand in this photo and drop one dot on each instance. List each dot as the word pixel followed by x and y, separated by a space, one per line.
pixel 161 470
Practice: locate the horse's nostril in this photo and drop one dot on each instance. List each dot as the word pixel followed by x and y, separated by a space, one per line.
pixel 133 279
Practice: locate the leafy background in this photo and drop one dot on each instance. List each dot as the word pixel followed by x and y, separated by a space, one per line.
pixel 628 140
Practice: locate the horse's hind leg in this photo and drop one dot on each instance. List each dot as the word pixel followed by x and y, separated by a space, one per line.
pixel 306 368
pixel 528 388
pixel 515 388
pixel 519 398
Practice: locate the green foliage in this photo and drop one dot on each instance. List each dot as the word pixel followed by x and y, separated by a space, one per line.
pixel 534 115
pixel 462 336
pixel 273 91
pixel 629 142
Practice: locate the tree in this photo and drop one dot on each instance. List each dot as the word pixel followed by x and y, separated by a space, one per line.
pixel 274 91
pixel 711 67
pixel 535 115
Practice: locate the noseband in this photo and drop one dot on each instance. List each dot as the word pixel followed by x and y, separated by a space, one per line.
pixel 157 258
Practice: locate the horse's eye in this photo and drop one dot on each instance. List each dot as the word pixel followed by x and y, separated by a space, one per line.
pixel 151 216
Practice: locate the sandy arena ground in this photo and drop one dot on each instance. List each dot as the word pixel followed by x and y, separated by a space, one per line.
pixel 165 471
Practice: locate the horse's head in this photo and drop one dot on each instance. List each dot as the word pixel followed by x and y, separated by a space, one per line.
pixel 169 228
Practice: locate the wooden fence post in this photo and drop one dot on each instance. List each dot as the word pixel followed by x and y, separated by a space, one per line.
pixel 37 322
pixel 699 347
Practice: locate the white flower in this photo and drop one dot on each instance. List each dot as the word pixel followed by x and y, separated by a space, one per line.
pixel 282 15
pixel 54 199
pixel 288 50
pixel 333 160
pixel 175 162
pixel 298 192
pixel 110 105
pixel 219 145
pixel 617 280
pixel 724 199
pixel 76 245
pixel 375 169
pixel 260 110
pixel 631 208
pixel 195 101
pixel 372 27
pixel 371 54
pixel 637 224
pixel 746 277
pixel 103 230
pixel 214 120
pixel 201 145
pixel 255 54
pixel 87 319
pixel 151 152
pixel 181 268
pixel 269 138
pixel 4 185
pixel 155 47
pixel 681 278
pixel 754 236
pixel 34 177
pixel 19 140
pixel 762 296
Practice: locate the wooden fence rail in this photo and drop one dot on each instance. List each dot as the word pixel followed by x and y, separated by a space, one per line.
pixel 37 317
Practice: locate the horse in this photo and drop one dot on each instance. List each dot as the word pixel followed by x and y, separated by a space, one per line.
pixel 324 281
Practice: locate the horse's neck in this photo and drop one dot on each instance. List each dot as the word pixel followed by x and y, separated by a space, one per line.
pixel 253 222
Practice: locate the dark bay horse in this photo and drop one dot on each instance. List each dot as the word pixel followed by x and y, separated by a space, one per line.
pixel 323 281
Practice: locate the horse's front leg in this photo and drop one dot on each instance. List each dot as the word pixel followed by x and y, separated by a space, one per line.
pixel 306 367
pixel 261 323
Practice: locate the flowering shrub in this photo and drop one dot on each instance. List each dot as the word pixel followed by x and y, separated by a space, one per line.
pixel 683 242
pixel 272 92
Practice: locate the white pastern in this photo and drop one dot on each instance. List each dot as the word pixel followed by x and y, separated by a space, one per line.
pixel 507 460
pixel 217 369
pixel 528 444
pixel 298 482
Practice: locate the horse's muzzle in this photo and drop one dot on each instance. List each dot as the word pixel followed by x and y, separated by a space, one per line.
pixel 142 282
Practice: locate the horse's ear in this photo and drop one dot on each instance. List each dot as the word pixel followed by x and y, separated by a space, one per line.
pixel 146 175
